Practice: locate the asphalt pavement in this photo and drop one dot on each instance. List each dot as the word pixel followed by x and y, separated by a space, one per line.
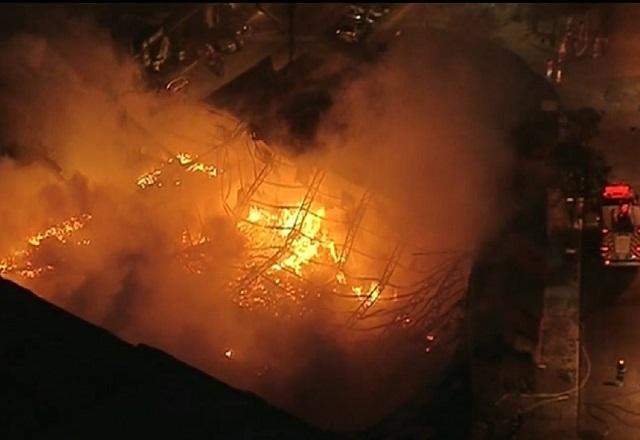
pixel 611 301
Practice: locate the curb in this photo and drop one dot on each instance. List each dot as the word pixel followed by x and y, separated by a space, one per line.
pixel 552 409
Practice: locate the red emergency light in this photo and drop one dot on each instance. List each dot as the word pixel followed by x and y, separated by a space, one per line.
pixel 618 191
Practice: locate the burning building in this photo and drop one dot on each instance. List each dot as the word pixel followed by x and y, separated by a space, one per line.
pixel 293 276
pixel 311 238
pixel 311 246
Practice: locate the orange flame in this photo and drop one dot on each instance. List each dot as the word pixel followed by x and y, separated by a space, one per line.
pixel 310 238
pixel 19 261
pixel 186 161
pixel 372 294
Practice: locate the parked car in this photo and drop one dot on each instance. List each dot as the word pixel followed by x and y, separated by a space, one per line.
pixel 353 32
pixel 234 43
pixel 376 12
pixel 356 13
pixel 177 85
pixel 214 60
pixel 227 46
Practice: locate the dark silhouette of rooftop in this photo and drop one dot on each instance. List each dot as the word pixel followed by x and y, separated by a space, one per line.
pixel 62 377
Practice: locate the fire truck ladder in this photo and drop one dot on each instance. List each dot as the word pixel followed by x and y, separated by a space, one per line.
pixel 305 206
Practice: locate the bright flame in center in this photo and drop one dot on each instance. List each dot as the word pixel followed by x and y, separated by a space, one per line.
pixel 305 235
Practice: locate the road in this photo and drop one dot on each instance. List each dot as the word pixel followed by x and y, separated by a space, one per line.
pixel 611 304
pixel 313 25
pixel 610 298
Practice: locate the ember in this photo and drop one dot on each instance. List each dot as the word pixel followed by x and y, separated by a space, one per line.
pixel 19 261
pixel 184 160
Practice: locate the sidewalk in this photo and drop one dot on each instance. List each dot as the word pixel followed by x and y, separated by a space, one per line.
pixel 551 411
pixel 524 398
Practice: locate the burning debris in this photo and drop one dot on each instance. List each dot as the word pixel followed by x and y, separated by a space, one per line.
pixel 184 160
pixel 302 242
pixel 20 262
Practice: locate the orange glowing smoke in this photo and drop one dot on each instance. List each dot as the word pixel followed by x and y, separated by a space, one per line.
pixel 293 251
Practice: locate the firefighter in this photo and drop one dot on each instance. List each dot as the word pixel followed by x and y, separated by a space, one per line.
pixel 621 370
pixel 215 61
pixel 569 24
pixel 515 425
pixel 582 32
pixel 146 55
pixel 581 43
pixel 163 53
pixel 562 49
pixel 623 218
pixel 563 126
pixel 151 61
pixel 211 16
pixel 598 46
pixel 558 77
pixel 570 42
pixel 623 212
pixel 550 67
pixel 569 38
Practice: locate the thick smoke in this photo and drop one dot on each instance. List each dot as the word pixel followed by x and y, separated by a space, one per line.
pixel 426 129
pixel 619 25
pixel 78 132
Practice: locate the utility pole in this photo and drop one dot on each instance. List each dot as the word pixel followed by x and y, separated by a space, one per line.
pixel 292 47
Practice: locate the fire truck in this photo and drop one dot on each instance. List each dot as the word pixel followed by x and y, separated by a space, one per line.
pixel 619 222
